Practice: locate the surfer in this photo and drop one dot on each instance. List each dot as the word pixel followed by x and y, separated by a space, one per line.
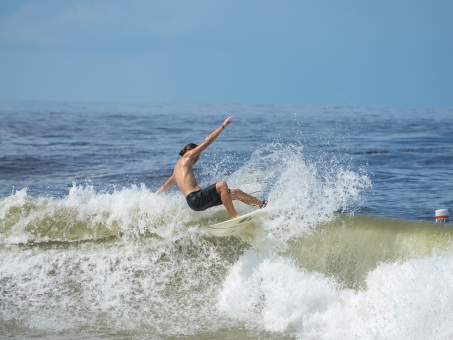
pixel 216 194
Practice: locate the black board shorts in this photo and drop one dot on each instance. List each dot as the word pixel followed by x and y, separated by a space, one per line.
pixel 203 199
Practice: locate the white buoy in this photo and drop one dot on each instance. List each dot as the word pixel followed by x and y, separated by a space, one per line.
pixel 442 215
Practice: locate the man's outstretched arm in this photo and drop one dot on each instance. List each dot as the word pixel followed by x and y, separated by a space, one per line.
pixel 167 185
pixel 210 138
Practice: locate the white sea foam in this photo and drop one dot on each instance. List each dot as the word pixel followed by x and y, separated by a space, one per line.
pixel 85 214
pixel 409 300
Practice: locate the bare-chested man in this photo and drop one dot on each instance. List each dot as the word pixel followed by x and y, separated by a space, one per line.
pixel 200 199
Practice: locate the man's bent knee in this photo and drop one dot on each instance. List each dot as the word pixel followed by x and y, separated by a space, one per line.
pixel 222 186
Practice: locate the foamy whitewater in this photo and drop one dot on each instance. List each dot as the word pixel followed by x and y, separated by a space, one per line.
pixel 348 250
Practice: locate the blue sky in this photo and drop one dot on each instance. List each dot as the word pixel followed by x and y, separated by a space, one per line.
pixel 373 53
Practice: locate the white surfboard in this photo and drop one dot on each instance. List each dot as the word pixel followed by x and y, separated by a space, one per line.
pixel 230 227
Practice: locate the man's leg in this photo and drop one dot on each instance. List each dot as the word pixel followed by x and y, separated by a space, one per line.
pixel 238 194
pixel 224 192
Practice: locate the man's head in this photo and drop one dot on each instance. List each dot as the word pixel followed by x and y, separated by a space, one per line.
pixel 188 147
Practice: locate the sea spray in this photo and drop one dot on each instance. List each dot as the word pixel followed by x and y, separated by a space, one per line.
pixel 302 191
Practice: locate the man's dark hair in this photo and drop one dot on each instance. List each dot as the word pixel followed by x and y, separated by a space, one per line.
pixel 188 147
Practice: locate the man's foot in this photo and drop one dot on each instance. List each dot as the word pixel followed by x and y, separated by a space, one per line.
pixel 262 205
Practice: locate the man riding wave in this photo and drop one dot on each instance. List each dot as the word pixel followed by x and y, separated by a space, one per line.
pixel 216 194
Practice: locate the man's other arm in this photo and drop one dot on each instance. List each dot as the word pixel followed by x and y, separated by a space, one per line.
pixel 167 185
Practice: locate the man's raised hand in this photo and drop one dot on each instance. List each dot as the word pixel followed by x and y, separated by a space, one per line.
pixel 227 121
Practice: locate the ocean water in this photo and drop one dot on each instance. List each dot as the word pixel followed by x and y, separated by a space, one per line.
pixel 348 250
